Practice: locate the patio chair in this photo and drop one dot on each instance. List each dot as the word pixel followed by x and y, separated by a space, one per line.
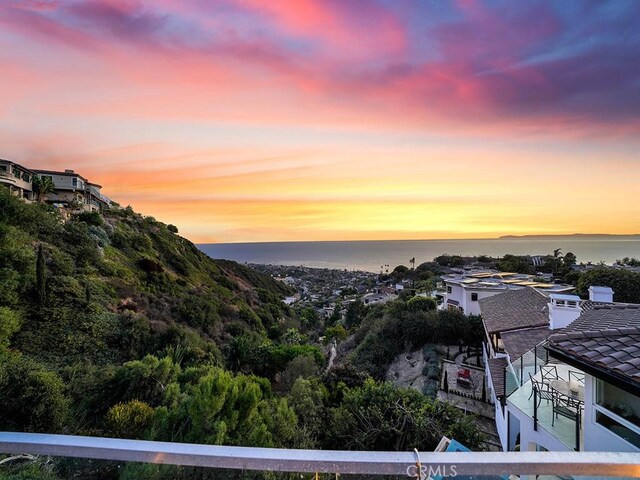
pixel 549 372
pixel 566 406
pixel 576 378
pixel 542 391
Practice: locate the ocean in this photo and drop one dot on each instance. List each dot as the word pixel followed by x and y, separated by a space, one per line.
pixel 373 256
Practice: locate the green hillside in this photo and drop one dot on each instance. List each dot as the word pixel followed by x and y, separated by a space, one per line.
pixel 119 286
pixel 114 325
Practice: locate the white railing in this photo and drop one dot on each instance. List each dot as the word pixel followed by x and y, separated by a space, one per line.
pixel 601 464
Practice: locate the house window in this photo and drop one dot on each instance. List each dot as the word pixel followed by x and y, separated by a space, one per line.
pixel 618 411
pixel 3 168
pixel 449 289
pixel 474 297
pixel 74 182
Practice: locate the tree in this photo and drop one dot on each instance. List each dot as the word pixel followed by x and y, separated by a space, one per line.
pixel 9 324
pixel 42 186
pixel 355 313
pixel 399 272
pixel 172 228
pixel 625 284
pixel 32 397
pixel 569 259
pixel 41 276
pixel 379 416
pixel 421 304
pixel 514 263
pixel 445 385
pixel 303 366
pixel 338 332
pixel 129 420
pixel 335 317
pixel 308 398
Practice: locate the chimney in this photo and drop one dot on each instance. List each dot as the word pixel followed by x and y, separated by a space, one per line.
pixel 563 309
pixel 601 294
pixel 69 171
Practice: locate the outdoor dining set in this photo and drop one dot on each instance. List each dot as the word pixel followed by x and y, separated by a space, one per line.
pixel 566 395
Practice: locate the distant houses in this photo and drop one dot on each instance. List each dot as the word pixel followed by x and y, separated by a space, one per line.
pixel 463 291
pixel 69 189
pixel 17 178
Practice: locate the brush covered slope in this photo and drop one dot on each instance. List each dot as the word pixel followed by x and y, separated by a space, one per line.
pixel 114 325
pixel 113 287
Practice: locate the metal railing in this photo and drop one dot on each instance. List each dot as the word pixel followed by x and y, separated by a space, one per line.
pixel 608 464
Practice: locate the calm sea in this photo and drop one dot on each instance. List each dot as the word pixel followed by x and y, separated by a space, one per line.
pixel 372 255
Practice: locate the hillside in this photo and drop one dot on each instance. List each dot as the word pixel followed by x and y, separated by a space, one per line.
pixel 119 286
pixel 112 324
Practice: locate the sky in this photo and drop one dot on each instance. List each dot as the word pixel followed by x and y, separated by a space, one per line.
pixel 289 120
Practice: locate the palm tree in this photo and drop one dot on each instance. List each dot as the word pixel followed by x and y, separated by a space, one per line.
pixel 42 186
pixel 557 258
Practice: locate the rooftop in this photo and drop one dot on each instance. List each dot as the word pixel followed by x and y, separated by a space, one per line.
pixel 513 310
pixel 607 339
pixel 496 368
pixel 68 173
pixel 493 279
pixel 518 342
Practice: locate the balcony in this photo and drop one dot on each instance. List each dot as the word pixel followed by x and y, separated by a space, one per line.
pixel 6 177
pixel 553 399
pixel 324 463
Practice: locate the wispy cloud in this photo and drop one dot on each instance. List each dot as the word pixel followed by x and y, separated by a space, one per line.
pixel 281 100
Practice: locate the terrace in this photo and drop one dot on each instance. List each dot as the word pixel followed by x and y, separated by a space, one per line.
pixel 553 397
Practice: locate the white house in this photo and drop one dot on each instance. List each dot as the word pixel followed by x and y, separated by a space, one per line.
pixel 463 291
pixel 71 187
pixel 564 373
pixel 18 179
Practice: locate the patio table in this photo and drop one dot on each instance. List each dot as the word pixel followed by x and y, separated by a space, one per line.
pixel 562 386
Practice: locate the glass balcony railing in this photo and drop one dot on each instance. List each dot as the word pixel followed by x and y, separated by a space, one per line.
pixel 119 458
pixel 530 363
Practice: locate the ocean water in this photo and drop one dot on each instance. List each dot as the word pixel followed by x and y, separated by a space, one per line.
pixel 374 255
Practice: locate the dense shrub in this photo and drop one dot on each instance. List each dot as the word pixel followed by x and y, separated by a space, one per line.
pixel 32 397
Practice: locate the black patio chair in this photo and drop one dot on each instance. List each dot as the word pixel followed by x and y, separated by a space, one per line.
pixel 541 390
pixel 566 406
pixel 549 372
pixel 577 377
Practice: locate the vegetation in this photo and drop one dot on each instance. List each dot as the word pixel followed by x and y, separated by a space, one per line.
pixel 401 326
pixel 112 324
pixel 625 284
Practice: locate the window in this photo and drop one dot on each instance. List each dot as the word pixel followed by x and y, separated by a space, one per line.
pixel 74 181
pixel 618 411
pixel 449 289
pixel 474 297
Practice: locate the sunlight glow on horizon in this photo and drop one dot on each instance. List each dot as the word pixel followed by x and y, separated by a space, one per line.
pixel 302 120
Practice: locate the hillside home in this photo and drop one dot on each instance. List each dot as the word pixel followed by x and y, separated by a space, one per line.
pixel 464 290
pixel 17 178
pixel 72 189
pixel 564 373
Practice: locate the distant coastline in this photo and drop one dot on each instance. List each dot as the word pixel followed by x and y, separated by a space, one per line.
pixel 585 236
pixel 377 255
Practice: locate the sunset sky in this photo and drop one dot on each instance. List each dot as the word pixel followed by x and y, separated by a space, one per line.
pixel 265 120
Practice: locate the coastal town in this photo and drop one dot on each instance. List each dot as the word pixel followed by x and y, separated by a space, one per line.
pixel 556 371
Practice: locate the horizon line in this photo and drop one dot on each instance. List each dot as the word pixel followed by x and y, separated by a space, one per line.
pixel 502 237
